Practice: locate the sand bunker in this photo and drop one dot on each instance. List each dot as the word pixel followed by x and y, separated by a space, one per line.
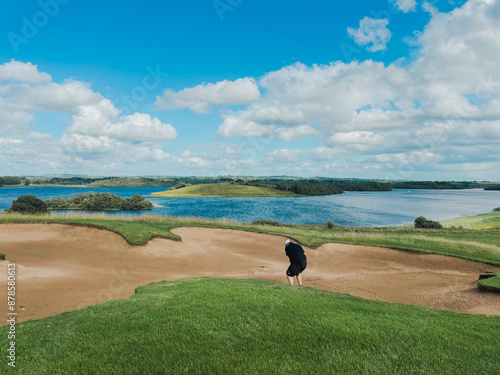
pixel 64 267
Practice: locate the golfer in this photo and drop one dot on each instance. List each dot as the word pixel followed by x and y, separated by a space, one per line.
pixel 298 261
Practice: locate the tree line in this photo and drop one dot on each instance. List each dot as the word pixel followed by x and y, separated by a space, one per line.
pixel 329 188
pixel 10 180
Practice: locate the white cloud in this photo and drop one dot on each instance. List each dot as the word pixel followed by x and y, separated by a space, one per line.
pixel 276 115
pixel 284 155
pixel 356 137
pixel 147 154
pixel 36 136
pixel 405 5
pixel 296 133
pixel 189 161
pixel 141 127
pixel 51 97
pixel 23 72
pixel 414 157
pixel 14 122
pixel 372 33
pixel 234 126
pixel 200 98
pixel 326 153
pixel 103 119
pixel 93 115
pixel 461 49
pixel 86 144
pixel 332 93
pixel 7 141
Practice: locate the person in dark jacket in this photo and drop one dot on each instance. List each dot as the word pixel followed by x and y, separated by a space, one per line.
pixel 298 261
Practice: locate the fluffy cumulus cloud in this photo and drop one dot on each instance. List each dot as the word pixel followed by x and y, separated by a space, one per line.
pixel 22 72
pixel 299 96
pixel 372 33
pixel 14 122
pixel 459 56
pixel 51 97
pixel 405 5
pixel 98 136
pixel 359 140
pixel 200 98
pixel 236 126
pixel 104 119
pixel 296 133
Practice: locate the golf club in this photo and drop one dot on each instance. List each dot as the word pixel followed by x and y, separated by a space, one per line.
pixel 310 242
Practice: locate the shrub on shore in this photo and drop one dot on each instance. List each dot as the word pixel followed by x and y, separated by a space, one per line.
pixel 422 222
pixel 329 225
pixel 28 204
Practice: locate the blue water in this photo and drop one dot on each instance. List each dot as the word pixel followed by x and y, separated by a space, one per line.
pixel 382 208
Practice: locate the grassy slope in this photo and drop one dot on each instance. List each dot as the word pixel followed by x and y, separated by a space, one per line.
pixel 489 220
pixel 223 191
pixel 478 245
pixel 227 326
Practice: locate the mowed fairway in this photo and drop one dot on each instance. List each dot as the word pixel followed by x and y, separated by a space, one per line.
pixel 223 326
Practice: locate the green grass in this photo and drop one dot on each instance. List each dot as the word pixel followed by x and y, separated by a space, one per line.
pixel 472 244
pixel 223 190
pixel 489 220
pixel 228 326
pixel 491 284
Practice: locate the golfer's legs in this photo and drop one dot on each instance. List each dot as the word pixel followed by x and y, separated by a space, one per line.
pixel 299 279
pixel 290 279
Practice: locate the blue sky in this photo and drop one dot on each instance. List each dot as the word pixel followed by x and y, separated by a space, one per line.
pixel 396 89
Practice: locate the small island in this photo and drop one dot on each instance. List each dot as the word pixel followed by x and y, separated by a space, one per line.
pixel 99 202
pixel 265 189
pixel 222 190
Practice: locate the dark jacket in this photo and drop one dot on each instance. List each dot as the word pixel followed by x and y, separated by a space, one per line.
pixel 296 253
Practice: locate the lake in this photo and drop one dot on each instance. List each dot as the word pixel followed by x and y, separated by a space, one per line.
pixel 380 208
